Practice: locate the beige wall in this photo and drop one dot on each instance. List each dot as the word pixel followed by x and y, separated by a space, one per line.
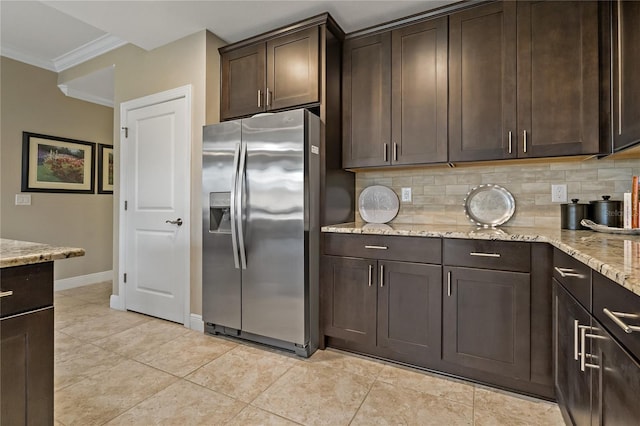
pixel 192 60
pixel 31 101
pixel 439 192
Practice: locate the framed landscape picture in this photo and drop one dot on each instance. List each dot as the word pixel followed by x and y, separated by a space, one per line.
pixel 53 164
pixel 105 169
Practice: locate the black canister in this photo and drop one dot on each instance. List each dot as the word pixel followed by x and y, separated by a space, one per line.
pixel 571 214
pixel 606 212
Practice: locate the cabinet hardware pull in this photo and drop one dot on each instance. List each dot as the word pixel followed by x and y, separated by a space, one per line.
pixel 6 293
pixel 376 247
pixel 583 354
pixel 473 253
pixel 269 98
pixel 385 155
pixel 576 348
pixel 510 142
pixel 524 138
pixel 395 151
pixel 565 272
pixel 370 274
pixel 381 275
pixel 449 283
pixel 619 68
pixel 615 317
pixel 259 98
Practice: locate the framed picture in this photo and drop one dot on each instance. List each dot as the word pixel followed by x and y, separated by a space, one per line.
pixel 53 164
pixel 105 169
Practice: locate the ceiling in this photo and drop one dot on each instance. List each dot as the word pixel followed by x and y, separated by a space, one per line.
pixel 57 34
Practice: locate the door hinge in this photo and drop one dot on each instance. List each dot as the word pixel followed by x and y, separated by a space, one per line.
pixel 125 277
pixel 126 131
pixel 125 205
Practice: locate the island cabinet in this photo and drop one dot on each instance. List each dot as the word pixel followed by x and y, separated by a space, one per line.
pixel 381 295
pixel 26 344
pixel 626 84
pixel 395 96
pixel 597 347
pixel 524 80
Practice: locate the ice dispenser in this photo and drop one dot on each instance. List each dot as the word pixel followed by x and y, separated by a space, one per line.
pixel 220 212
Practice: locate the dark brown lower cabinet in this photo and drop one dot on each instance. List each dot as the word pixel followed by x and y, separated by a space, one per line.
pixel 597 379
pixel 390 305
pixel 409 311
pixel 573 386
pixel 486 321
pixel 26 368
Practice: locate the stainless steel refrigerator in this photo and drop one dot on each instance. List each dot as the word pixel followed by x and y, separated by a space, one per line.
pixel 261 186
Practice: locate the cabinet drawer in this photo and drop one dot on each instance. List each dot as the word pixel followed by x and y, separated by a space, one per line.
pixel 500 255
pixel 574 275
pixel 32 287
pixel 384 247
pixel 617 300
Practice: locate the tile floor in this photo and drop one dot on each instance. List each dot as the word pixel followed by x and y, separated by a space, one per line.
pixel 122 368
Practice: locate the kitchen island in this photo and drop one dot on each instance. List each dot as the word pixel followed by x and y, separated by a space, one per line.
pixel 26 330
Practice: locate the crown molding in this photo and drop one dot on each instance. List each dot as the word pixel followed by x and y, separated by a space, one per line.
pixel 87 51
pixel 21 56
pixel 85 96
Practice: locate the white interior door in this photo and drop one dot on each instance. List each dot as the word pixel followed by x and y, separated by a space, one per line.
pixel 155 154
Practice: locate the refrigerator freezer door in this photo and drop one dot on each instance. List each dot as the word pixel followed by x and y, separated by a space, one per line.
pixel 221 278
pixel 274 283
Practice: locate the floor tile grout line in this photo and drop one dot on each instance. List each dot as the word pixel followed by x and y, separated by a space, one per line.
pixel 373 382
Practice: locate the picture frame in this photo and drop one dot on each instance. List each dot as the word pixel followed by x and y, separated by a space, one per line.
pixel 105 169
pixel 55 164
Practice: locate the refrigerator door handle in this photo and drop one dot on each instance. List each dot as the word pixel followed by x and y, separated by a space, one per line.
pixel 234 185
pixel 239 195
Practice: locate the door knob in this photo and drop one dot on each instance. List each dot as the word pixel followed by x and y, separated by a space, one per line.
pixel 178 222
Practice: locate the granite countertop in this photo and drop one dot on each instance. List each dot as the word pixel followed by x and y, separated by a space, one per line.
pixel 615 256
pixel 16 253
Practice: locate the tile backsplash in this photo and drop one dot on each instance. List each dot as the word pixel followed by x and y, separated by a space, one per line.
pixel 438 192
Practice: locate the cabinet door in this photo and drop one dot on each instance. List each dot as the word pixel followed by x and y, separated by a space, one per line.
pixel 626 63
pixel 558 78
pixel 349 299
pixel 243 74
pixel 616 385
pixel 573 386
pixel 367 101
pixel 26 368
pixel 482 82
pixel 292 69
pixel 409 297
pixel 419 93
pixel 486 321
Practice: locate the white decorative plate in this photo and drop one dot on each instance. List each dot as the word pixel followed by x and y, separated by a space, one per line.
pixel 489 205
pixel 378 204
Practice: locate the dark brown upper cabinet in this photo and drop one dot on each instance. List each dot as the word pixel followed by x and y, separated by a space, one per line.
pixel 626 84
pixel 276 74
pixel 524 80
pixel 395 96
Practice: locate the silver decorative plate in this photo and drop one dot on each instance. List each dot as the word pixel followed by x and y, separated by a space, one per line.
pixel 378 204
pixel 489 205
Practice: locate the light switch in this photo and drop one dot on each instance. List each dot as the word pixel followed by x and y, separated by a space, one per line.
pixel 23 199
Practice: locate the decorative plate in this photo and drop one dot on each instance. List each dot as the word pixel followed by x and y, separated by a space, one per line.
pixel 378 204
pixel 489 205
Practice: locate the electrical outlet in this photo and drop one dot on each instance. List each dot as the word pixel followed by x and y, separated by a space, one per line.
pixel 406 194
pixel 23 199
pixel 559 193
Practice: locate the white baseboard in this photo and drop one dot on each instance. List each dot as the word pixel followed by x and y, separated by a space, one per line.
pixel 196 323
pixel 116 302
pixel 82 280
